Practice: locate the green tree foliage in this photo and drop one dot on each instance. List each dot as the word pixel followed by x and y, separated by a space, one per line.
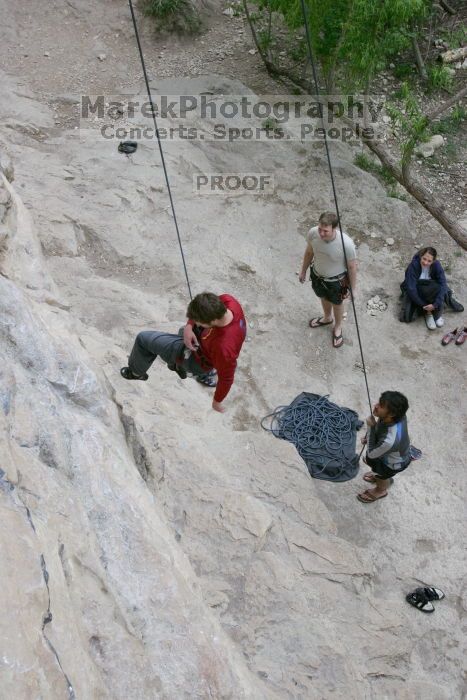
pixel 352 41
pixel 354 36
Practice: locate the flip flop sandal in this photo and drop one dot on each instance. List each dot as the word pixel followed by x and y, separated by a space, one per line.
pixel 430 593
pixel 415 453
pixel 370 477
pixel 446 339
pixel 461 336
pixel 317 322
pixel 128 374
pixel 369 497
pixel 337 341
pixel 420 601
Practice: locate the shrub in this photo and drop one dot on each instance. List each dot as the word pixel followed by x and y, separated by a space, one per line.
pixel 363 162
pixel 439 77
pixel 179 15
pixel 451 123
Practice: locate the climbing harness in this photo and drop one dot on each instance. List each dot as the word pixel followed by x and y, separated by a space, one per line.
pixel 166 175
pixel 324 434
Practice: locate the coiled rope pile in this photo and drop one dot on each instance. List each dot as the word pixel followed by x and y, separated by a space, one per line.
pixel 323 433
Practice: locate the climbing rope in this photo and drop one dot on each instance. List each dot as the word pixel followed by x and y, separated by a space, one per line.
pixel 323 433
pixel 334 192
pixel 320 110
pixel 153 113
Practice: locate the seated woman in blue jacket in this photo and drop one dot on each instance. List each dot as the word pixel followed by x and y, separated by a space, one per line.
pixel 425 285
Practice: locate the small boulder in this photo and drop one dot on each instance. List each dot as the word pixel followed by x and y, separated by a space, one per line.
pixel 426 150
pixel 437 141
pixel 375 304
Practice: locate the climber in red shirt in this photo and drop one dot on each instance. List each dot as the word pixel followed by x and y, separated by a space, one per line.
pixel 211 343
pixel 215 332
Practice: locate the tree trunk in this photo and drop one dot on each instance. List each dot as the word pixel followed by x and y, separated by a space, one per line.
pixel 419 60
pixel 436 208
pixel 446 105
pixel 403 176
pixel 446 6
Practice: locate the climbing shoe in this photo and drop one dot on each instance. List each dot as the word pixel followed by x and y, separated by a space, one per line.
pixel 128 374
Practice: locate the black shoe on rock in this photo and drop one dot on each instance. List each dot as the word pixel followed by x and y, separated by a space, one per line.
pixel 432 593
pixel 421 598
pixel 420 601
pixel 128 374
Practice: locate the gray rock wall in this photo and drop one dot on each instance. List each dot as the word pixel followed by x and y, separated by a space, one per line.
pixel 180 553
pixel 98 598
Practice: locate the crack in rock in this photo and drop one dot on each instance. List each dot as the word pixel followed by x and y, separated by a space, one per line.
pixel 138 450
pixel 7 487
pixel 45 621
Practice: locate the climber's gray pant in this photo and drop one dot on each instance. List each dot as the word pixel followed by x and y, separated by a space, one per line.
pixel 168 346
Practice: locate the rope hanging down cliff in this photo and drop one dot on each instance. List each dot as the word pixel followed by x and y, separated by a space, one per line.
pixel 320 110
pixel 334 192
pixel 153 113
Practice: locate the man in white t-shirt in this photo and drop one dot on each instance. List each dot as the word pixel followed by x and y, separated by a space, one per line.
pixel 329 274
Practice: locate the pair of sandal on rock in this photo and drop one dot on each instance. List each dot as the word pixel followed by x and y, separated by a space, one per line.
pixel 458 335
pixel 421 598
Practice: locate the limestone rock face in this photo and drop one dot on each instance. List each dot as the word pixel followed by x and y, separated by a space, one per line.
pixel 6 166
pixel 104 602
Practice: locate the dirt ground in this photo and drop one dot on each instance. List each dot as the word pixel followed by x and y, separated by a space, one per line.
pixel 224 47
